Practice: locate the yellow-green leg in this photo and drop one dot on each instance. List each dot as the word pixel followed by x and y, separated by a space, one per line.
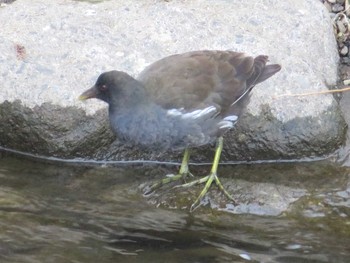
pixel 210 178
pixel 183 172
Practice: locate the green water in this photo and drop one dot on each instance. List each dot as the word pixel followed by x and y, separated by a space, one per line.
pixel 61 213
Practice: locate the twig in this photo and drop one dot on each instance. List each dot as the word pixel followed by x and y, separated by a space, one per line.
pixel 313 93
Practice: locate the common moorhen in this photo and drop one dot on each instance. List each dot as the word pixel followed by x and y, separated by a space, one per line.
pixel 182 101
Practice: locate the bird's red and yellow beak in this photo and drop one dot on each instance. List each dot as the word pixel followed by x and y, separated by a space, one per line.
pixel 89 94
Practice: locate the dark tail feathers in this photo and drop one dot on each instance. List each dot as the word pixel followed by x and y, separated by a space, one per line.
pixel 266 70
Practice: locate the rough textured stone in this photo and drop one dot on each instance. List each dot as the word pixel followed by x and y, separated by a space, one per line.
pixel 51 52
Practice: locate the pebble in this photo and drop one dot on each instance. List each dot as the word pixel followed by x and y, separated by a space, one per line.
pixel 337 7
pixel 341 22
pixel 344 51
pixel 342 27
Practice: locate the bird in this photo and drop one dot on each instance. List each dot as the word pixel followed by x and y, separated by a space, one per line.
pixel 181 102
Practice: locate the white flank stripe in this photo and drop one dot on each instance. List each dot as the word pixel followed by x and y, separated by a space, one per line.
pixel 225 124
pixel 175 112
pixel 193 114
pixel 228 122
pixel 199 113
pixel 232 118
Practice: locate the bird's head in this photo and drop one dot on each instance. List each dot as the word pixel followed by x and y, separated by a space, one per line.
pixel 112 87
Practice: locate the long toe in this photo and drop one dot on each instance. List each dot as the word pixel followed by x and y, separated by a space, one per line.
pixel 169 179
pixel 192 183
pixel 209 180
pixel 222 188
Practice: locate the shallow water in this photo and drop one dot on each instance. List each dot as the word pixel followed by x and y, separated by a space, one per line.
pixel 67 213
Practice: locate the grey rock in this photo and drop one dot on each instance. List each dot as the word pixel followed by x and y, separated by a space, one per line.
pixel 51 52
pixel 258 189
pixel 344 51
pixel 250 198
pixel 337 8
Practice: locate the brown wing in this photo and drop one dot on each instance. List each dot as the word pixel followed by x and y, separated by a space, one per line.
pixel 198 79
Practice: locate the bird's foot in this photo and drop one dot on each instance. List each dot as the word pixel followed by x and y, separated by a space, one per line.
pixel 169 179
pixel 208 180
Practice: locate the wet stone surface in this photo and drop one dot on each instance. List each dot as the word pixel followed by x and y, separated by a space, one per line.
pixel 260 198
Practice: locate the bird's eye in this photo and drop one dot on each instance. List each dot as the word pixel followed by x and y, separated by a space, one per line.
pixel 103 87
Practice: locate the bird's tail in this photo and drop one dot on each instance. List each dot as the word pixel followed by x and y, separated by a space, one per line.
pixel 263 71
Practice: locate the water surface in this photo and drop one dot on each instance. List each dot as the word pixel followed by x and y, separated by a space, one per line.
pixel 69 213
